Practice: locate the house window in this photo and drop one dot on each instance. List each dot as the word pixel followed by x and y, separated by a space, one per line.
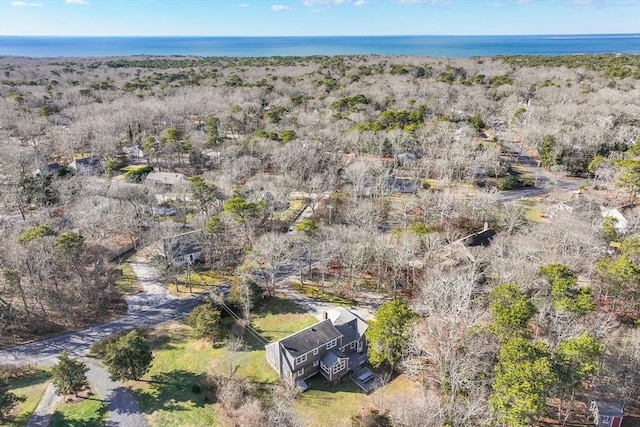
pixel 301 359
pixel 332 343
pixel 315 363
pixel 315 351
pixel 353 345
pixel 606 419
pixel 300 372
pixel 325 368
pixel 339 366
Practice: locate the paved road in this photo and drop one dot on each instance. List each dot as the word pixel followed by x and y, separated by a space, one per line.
pixel 78 343
pixel 121 405
pixel 41 416
pixel 545 181
pixel 153 292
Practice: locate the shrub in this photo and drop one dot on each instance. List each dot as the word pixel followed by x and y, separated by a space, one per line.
pixel 138 174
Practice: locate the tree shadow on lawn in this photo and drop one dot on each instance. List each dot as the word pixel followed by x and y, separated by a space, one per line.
pixel 34 378
pixel 168 341
pixel 279 305
pixel 169 390
pixel 96 419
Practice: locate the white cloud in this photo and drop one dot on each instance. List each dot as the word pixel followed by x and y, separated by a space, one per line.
pixel 25 4
pixel 312 3
pixel 76 1
pixel 281 8
pixel 360 3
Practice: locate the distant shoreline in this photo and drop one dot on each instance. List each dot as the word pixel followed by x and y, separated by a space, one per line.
pixel 242 46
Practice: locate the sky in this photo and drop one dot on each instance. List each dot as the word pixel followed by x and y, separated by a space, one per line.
pixel 316 17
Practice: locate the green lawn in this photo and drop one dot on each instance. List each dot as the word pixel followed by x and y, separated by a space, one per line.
pixel 319 294
pixel 89 412
pixel 533 211
pixel 200 280
pixel 32 387
pixel 180 362
pixel 127 282
pixel 334 405
pixel 295 208
pixel 330 405
pixel 132 167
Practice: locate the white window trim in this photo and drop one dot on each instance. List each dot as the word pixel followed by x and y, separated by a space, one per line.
pixel 300 372
pixel 315 351
pixel 339 366
pixel 353 345
pixel 332 343
pixel 301 359
pixel 315 363
pixel 325 368
pixel 606 419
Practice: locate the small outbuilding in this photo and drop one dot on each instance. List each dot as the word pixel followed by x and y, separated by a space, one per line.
pixel 87 165
pixel 606 414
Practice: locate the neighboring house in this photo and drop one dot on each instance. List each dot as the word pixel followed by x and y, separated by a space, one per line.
pixel 50 169
pixel 333 347
pixel 165 181
pixel 133 151
pixel 621 222
pixel 606 414
pixel 403 184
pixel 183 249
pixel 481 238
pixel 87 165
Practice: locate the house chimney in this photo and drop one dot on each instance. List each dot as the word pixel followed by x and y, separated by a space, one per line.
pixel 325 316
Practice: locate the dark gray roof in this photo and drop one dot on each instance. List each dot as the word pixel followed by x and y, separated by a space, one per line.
pixel 50 169
pixel 332 356
pixel 310 338
pixel 89 161
pixel 612 409
pixel 348 323
pixel 183 244
pixel 482 238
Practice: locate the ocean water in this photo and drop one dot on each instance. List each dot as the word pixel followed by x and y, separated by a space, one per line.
pixel 434 46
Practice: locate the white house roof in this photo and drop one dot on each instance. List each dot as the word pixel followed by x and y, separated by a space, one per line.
pixel 166 177
pixel 621 222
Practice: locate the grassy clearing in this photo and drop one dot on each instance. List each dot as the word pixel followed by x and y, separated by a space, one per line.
pixel 320 294
pixel 200 280
pixel 127 282
pixel 334 405
pixel 533 211
pixel 330 405
pixel 295 208
pixel 89 412
pixel 32 387
pixel 181 361
pixel 132 167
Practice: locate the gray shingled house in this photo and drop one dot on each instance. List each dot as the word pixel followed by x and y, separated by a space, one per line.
pixel 333 347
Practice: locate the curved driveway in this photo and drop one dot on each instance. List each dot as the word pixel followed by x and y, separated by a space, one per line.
pixel 149 308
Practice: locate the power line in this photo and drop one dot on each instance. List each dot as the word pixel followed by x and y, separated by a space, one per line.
pixel 219 300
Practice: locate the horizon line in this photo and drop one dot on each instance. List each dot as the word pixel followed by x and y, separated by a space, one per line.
pixel 318 36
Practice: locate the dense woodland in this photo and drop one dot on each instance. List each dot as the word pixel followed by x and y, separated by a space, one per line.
pixel 399 158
